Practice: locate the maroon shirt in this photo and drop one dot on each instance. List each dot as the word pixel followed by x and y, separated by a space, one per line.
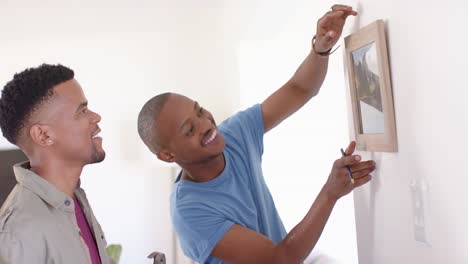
pixel 86 233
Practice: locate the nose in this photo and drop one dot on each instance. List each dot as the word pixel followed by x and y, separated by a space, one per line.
pixel 205 125
pixel 95 117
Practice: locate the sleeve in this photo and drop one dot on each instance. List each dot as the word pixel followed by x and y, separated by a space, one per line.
pixel 246 127
pixel 12 250
pixel 199 230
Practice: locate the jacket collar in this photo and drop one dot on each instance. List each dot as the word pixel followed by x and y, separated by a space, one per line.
pixel 41 187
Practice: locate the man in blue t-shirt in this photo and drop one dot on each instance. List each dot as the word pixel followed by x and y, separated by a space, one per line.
pixel 221 207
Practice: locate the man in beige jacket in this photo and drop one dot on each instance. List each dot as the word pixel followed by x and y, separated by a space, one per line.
pixel 47 218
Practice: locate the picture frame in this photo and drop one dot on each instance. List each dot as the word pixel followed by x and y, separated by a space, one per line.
pixel 368 74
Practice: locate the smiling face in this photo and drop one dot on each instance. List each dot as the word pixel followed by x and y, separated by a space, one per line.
pixel 188 133
pixel 71 127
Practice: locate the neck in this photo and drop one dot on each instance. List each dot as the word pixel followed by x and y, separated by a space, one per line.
pixel 205 171
pixel 63 176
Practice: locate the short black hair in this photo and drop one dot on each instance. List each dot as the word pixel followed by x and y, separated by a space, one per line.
pixel 25 93
pixel 147 126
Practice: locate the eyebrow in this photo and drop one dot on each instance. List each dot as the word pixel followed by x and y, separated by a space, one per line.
pixel 195 106
pixel 81 106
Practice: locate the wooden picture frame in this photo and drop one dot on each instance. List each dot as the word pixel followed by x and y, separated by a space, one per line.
pixel 368 73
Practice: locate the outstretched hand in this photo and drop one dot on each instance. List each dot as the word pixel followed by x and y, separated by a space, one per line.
pixel 339 182
pixel 330 27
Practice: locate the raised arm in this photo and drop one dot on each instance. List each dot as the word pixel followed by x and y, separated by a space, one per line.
pixel 308 78
pixel 243 246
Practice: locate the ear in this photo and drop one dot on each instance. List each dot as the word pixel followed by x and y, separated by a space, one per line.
pixel 42 135
pixel 166 156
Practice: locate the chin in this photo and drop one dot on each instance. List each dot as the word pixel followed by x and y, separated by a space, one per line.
pixel 98 157
pixel 217 153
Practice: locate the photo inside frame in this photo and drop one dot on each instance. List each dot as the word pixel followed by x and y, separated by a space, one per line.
pixel 368 90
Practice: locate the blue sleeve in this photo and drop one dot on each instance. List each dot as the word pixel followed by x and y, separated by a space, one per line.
pixel 246 128
pixel 199 230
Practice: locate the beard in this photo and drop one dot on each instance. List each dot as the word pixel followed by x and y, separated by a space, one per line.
pixel 97 155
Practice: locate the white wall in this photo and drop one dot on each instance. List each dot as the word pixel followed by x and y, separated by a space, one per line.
pixel 428 63
pixel 123 53
pixel 300 152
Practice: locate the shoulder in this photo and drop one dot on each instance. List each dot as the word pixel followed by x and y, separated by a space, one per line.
pixel 198 221
pixel 244 131
pixel 251 116
pixel 185 198
pixel 22 213
pixel 192 204
pixel 22 247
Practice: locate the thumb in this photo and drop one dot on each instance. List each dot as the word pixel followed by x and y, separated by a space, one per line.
pixel 350 149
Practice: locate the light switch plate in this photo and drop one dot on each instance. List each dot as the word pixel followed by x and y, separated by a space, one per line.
pixel 419 194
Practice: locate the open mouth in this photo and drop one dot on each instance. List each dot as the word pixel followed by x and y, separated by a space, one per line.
pixel 96 133
pixel 210 136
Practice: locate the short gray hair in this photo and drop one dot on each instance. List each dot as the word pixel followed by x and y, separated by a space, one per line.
pixel 147 127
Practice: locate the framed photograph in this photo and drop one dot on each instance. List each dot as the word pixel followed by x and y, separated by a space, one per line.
pixel 368 73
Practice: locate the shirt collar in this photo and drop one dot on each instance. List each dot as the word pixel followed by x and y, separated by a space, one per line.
pixel 41 187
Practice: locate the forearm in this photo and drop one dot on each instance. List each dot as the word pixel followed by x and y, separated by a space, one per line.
pixel 304 84
pixel 300 241
pixel 310 75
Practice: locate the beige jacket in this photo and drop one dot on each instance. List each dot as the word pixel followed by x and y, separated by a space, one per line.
pixel 38 224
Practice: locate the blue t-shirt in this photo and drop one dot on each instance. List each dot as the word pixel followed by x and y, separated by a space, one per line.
pixel 202 213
